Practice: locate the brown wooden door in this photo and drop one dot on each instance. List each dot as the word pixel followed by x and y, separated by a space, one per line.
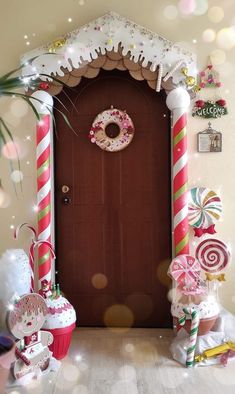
pixel 117 224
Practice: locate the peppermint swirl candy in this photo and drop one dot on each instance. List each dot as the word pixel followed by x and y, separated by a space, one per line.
pixel 213 255
pixel 205 207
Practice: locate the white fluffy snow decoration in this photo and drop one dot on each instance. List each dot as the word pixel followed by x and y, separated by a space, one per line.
pixel 14 274
pixel 15 280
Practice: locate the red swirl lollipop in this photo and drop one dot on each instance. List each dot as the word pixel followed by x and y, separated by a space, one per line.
pixel 213 255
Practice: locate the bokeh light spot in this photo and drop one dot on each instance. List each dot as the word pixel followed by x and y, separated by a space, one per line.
pixel 99 281
pixel 187 7
pixel 71 372
pixel 162 269
pixel 118 316
pixel 226 38
pixel 170 295
pixel 13 150
pixel 215 14
pixel 17 176
pixel 4 199
pixel 201 7
pixel 129 347
pixel 170 12
pixel 208 35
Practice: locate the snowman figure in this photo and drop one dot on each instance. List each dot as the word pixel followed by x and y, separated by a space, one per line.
pixel 25 321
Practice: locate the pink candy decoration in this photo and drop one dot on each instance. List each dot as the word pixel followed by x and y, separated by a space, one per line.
pixel 185 270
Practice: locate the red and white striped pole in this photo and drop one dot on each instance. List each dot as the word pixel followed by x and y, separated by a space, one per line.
pixel 178 101
pixel 44 182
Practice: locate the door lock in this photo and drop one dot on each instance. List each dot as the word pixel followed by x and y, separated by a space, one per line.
pixel 65 189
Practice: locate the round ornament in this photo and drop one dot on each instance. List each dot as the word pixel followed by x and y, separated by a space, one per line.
pixel 27 316
pixel 213 255
pixel 99 130
pixel 205 207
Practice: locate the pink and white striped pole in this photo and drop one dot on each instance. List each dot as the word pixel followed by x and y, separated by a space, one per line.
pixel 44 183
pixel 178 101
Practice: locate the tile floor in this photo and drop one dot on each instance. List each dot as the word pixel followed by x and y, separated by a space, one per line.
pixel 136 361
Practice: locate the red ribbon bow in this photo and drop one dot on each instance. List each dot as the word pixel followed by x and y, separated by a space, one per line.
pixel 224 358
pixel 198 232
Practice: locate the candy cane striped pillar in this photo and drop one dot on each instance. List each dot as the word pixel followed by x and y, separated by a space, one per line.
pixel 44 183
pixel 178 101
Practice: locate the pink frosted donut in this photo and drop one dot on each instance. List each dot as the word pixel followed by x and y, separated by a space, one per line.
pixel 98 133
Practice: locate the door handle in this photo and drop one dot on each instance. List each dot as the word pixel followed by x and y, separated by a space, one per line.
pixel 66 200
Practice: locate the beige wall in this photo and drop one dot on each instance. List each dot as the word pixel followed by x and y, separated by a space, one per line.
pixel 45 20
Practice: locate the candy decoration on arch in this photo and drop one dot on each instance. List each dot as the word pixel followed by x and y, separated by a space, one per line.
pixel 213 255
pixel 205 208
pixel 178 101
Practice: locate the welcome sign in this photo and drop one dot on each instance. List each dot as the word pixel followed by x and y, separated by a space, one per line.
pixel 210 109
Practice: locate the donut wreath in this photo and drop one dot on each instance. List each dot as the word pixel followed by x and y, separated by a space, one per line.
pixel 98 134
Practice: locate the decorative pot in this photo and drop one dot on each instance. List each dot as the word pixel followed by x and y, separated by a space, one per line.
pixel 62 339
pixel 205 325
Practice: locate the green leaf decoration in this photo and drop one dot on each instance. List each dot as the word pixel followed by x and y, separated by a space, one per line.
pixel 9 85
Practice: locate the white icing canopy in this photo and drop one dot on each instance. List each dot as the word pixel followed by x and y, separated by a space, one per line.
pixel 105 34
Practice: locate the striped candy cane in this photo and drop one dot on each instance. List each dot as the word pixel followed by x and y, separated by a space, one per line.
pixel 31 261
pixel 38 244
pixel 44 183
pixel 177 101
pixel 193 333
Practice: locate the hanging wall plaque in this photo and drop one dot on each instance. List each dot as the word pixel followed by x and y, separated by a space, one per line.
pixel 209 140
